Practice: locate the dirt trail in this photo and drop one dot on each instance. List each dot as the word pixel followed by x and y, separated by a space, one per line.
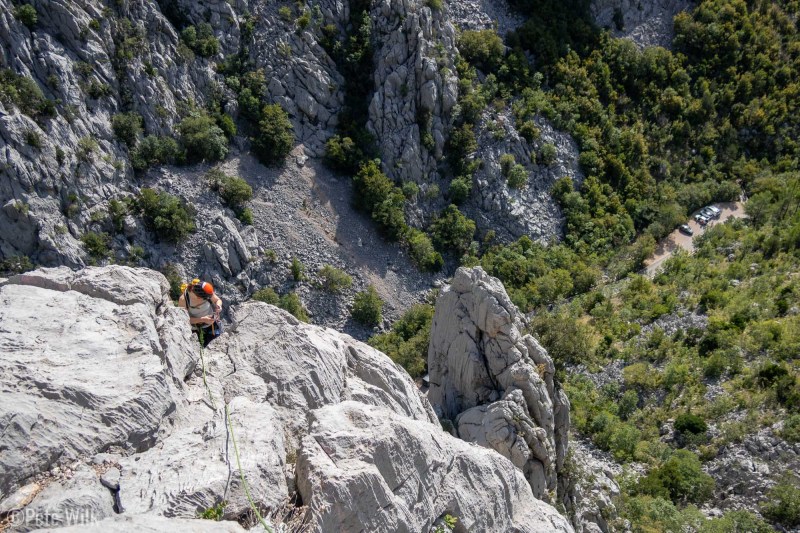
pixel 675 240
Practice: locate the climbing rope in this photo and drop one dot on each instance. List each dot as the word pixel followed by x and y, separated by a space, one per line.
pixel 241 473
pixel 229 426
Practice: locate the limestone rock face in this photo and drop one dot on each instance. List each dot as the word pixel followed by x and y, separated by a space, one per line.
pixel 414 92
pixel 100 405
pixel 111 412
pixel 94 60
pixel 645 22
pixel 300 75
pixel 494 382
pixel 529 210
pixel 296 367
pixel 361 468
pixel 85 366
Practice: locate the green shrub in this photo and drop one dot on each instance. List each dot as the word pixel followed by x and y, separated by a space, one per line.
pixel 407 342
pixel 127 127
pixel 627 404
pixel 18 264
pixel 275 135
pixel 333 279
pixel 27 15
pixel 117 211
pixel 689 423
pixel 97 89
pixel 734 522
pixel 154 150
pixel 460 146
pixel 783 503
pixel 422 252
pixel 452 230
pixel 166 215
pixel 245 216
pixel 342 154
pixel 298 269
pixel 787 392
pixel 517 177
pixel 506 163
pixel 266 295
pixel 304 20
pixel 367 307
pixel 285 13
pixel 226 124
pixel 680 478
pixel 459 189
pixel 202 139
pixel 370 186
pixel 201 40
pixel 483 48
pixel 791 429
pixel 770 373
pixel 548 154
pixel 291 302
pixel 529 131
pixel 32 138
pixel 24 93
pixel 410 190
pixel 87 146
pixel 435 5
pixel 96 245
pixel 233 190
pixel 216 513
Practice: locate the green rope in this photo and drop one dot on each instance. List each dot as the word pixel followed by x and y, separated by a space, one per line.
pixel 233 439
pixel 241 473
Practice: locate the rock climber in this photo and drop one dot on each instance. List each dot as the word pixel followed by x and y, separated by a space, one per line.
pixel 204 308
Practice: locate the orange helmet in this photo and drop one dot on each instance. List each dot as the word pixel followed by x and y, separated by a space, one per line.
pixel 202 288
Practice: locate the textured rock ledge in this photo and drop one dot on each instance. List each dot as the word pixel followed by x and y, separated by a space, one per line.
pixel 107 417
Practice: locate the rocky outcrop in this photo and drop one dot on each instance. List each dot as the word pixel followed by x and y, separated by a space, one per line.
pixel 316 367
pixel 497 384
pixel 484 15
pixel 300 75
pixel 645 22
pixel 415 86
pixel 111 414
pixel 89 362
pixel 93 61
pixel 589 489
pixel 745 471
pixel 363 469
pixel 529 210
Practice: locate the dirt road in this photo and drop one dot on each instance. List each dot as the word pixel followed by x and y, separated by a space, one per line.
pixel 676 239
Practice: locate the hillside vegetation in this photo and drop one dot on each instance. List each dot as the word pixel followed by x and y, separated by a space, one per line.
pixel 709 347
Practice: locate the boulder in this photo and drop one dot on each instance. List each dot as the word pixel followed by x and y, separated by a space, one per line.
pixel 86 363
pixel 364 468
pixel 495 382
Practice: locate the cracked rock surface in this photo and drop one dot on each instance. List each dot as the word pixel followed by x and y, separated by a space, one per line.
pixel 111 414
pixel 496 383
pixel 645 22
pixel 363 469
